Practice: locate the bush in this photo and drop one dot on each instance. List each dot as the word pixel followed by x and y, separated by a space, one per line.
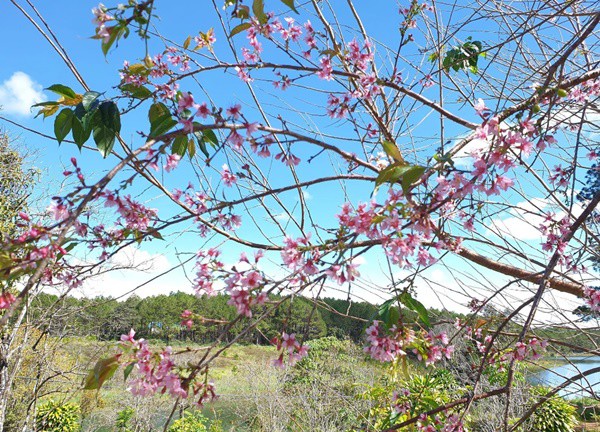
pixel 194 421
pixel 123 418
pixel 54 416
pixel 554 415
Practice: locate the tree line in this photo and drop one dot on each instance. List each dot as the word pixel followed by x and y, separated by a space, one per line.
pixel 159 318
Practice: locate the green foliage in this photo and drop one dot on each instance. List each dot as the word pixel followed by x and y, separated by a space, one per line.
pixel 390 315
pixel 418 392
pixel 123 418
pixel 554 415
pixel 90 116
pixel 16 182
pixel 400 172
pixel 465 56
pixel 192 421
pixel 54 416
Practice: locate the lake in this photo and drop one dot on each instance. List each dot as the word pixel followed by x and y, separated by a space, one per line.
pixel 556 375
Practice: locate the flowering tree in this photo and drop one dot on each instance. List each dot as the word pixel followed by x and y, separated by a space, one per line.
pixel 443 146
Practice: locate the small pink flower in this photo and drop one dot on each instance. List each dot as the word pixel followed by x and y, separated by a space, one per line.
pixel 234 111
pixel 229 179
pixel 58 211
pixel 6 299
pixel 172 162
pixel 130 337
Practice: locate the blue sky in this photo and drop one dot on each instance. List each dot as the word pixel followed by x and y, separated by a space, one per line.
pixel 29 65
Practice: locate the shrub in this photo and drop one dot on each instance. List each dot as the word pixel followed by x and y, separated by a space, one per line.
pixel 554 415
pixel 55 416
pixel 192 421
pixel 123 418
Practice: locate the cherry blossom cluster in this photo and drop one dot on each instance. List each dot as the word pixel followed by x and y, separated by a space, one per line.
pixel 158 373
pixel 187 320
pixel 300 258
pixel 207 262
pixel 33 244
pixel 555 232
pixel 593 298
pixel 290 348
pixel 388 345
pixel 411 13
pixel 585 91
pixel 243 286
pixel 433 348
pixel 134 215
pixel 6 299
pixel 101 17
pixel 530 349
pixel 244 289
pixel 388 222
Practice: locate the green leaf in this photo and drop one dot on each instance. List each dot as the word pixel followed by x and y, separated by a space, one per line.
pixel 206 136
pixel 240 28
pixel 180 145
pixel 62 90
pixel 105 139
pixel 134 91
pixel 290 4
pixel 391 174
pixel 44 104
pixel 62 124
pixel 258 7
pixel 186 42
pixel 413 174
pixel 109 116
pixel 157 110
pixel 80 133
pixel 383 312
pixel 162 125
pixel 392 151
pixel 103 371
pixel 191 148
pixel 210 136
pixel 127 371
pixel 202 146
pixel 242 12
pixel 330 52
pixel 114 33
pixel 388 313
pixel 88 100
pixel 407 300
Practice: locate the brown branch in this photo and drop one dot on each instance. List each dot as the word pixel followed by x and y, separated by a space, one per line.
pixel 553 282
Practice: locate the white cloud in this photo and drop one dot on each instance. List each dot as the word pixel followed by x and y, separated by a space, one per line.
pixel 135 271
pixel 19 93
pixel 282 217
pixel 527 216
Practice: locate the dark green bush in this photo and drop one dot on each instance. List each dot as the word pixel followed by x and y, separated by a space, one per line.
pixel 554 415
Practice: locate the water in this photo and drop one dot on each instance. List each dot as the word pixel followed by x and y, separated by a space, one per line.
pixel 556 375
